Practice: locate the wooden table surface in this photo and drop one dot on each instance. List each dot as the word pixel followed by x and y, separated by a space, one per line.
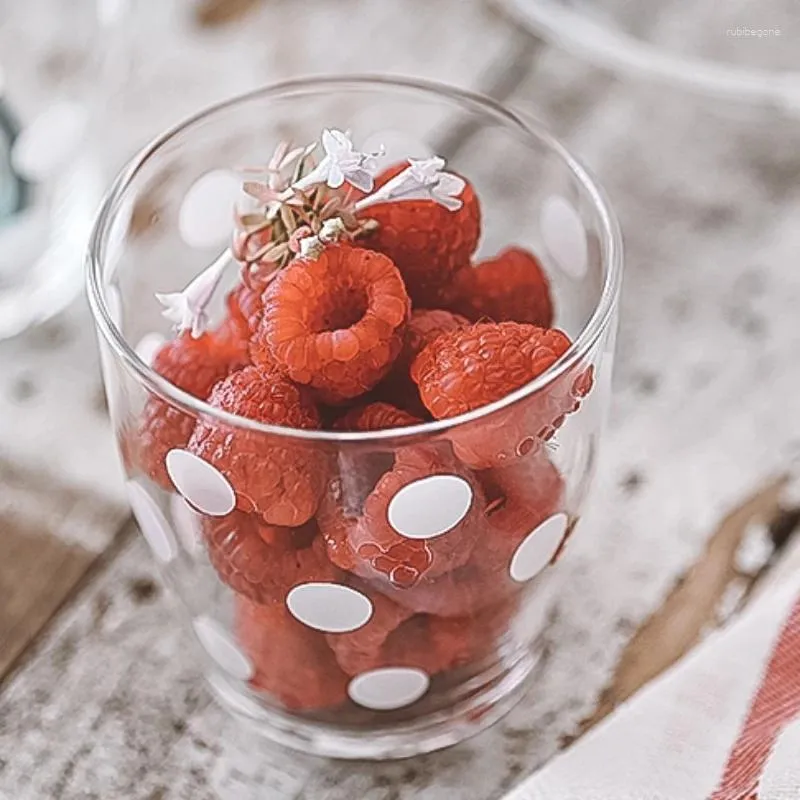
pixel 697 497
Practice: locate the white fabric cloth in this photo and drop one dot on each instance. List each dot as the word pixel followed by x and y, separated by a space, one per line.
pixel 676 738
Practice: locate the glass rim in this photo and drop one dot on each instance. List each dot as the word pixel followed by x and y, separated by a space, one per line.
pixel 610 248
pixel 624 53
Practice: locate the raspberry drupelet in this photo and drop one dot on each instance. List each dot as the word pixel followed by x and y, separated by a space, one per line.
pixel 334 323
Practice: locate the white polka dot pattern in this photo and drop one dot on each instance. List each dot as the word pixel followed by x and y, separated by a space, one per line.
pixel 152 522
pixel 430 506
pixel 48 142
pixel 202 484
pixel 329 607
pixel 538 548
pixel 148 346
pixel 564 236
pixel 187 524
pixel 388 688
pixel 206 213
pixel 218 644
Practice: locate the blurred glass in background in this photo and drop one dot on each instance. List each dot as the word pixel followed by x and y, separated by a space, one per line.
pixel 54 73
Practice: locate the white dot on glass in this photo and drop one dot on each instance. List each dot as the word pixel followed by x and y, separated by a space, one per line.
pixel 564 235
pixel 187 523
pixel 219 645
pixel 430 506
pixel 206 213
pixel 48 141
pixel 329 607
pixel 148 346
pixel 538 548
pixel 152 522
pixel 388 688
pixel 202 484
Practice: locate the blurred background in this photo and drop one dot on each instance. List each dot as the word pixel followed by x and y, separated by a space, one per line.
pixel 689 114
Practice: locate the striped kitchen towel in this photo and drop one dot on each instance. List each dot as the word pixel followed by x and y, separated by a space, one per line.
pixel 722 724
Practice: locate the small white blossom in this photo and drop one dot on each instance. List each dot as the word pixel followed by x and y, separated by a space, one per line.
pixel 422 180
pixel 342 163
pixel 187 309
pixel 332 230
pixel 311 247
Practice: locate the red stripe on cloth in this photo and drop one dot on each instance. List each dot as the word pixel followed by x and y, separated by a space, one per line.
pixel 776 703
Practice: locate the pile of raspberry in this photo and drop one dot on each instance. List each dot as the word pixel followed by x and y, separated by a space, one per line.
pixel 350 320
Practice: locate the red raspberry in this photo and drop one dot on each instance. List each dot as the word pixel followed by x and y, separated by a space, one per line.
pixel 280 478
pixel 335 323
pixel 472 367
pixel 193 365
pixel 424 327
pixel 246 306
pixel 519 497
pixel 369 546
pixel 375 417
pixel 510 287
pixel 292 663
pixel 433 644
pixel 426 241
pixel 354 650
pixel 263 562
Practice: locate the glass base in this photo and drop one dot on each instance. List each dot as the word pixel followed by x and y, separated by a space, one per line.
pixel 493 693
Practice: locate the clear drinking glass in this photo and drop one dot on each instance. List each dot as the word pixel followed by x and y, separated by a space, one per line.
pixel 408 613
pixel 53 70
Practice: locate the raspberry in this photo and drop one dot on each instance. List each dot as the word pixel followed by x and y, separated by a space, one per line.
pixel 263 562
pixel 335 323
pixel 426 241
pixel 246 305
pixel 354 650
pixel 424 327
pixel 280 478
pixel 369 546
pixel 509 287
pixel 292 663
pixel 470 368
pixel 520 496
pixel 433 644
pixel 193 365
pixel 375 417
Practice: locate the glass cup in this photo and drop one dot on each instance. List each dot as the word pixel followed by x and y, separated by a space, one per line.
pixel 406 612
pixel 51 180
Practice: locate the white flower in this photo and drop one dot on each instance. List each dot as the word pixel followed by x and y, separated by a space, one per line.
pixel 311 247
pixel 422 180
pixel 332 230
pixel 342 162
pixel 187 309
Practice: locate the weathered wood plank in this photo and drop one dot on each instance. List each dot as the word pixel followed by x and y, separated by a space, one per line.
pixel 37 568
